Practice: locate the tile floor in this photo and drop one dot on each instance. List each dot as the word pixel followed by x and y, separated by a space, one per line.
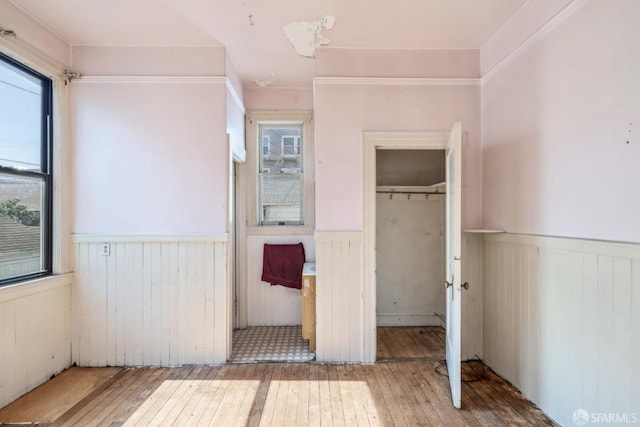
pixel 270 344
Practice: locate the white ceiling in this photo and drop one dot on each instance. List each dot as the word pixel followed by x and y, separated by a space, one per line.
pixel 262 51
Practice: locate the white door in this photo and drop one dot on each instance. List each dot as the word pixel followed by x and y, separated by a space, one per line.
pixel 453 259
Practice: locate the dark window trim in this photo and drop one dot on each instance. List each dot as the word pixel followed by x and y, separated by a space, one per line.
pixel 45 173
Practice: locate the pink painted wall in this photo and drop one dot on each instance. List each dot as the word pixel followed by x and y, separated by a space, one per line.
pixel 150 158
pixel 527 20
pixel 560 123
pixel 434 63
pixel 276 98
pixel 149 60
pixel 344 111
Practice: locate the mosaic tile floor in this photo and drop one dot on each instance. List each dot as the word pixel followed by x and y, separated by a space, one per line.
pixel 270 344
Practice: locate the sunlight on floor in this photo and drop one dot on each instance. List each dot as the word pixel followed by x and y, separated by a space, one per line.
pixel 218 400
pixel 229 402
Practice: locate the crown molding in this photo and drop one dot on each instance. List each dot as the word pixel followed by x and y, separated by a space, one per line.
pixel 396 81
pixel 154 79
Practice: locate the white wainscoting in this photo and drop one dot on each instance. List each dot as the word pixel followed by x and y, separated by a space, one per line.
pixel 35 334
pixel 471 324
pixel 154 301
pixel 339 296
pixel 269 305
pixel 562 322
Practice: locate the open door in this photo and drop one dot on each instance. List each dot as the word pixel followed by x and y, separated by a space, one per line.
pixel 453 259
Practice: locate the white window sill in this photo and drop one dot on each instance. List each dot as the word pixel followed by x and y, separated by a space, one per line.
pixel 280 230
pixel 34 286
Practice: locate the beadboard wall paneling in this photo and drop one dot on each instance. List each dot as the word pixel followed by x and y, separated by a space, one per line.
pixel 35 334
pixel 471 325
pixel 339 296
pixel 269 305
pixel 152 302
pixel 562 321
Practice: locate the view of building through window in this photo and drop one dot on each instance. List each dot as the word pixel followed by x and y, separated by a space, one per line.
pixel 280 174
pixel 24 171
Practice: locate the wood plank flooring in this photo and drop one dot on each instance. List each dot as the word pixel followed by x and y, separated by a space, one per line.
pixel 51 400
pixel 420 342
pixel 404 389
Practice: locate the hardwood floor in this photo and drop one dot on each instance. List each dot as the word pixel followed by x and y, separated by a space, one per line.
pixel 403 389
pixel 420 342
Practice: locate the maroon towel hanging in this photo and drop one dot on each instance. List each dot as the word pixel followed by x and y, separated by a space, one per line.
pixel 282 265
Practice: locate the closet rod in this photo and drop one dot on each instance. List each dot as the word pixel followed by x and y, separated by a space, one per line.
pixel 409 192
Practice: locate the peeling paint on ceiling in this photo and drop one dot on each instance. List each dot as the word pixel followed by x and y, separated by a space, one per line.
pixel 306 36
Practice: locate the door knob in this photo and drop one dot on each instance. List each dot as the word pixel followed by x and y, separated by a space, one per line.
pixel 465 285
pixel 447 284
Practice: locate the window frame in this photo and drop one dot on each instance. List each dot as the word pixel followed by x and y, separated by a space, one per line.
pixel 45 174
pixel 296 146
pixel 251 175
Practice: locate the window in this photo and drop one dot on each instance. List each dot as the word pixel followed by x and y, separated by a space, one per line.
pixel 290 146
pixel 25 172
pixel 281 180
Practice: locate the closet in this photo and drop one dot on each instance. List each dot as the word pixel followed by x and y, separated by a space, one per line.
pixel 410 237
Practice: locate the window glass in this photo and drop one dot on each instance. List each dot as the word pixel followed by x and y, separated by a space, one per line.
pixel 25 180
pixel 20 226
pixel 280 174
pixel 20 118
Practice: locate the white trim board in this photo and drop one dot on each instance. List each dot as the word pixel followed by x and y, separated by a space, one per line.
pixel 396 81
pixel 589 246
pixel 405 140
pixel 153 79
pixel 279 230
pixel 195 237
pixel 235 96
pixel 409 320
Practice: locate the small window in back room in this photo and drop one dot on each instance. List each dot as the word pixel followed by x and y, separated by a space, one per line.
pixel 280 177
pixel 25 172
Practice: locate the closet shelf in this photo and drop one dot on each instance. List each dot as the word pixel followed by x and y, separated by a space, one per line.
pixel 409 189
pixel 482 231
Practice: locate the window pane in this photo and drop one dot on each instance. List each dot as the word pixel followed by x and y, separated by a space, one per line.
pixel 20 226
pixel 281 196
pixel 280 173
pixel 20 118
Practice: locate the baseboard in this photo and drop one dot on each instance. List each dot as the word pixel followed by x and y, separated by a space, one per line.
pixel 408 320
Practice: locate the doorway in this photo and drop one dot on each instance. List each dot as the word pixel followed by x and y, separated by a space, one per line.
pixel 410 240
pixel 451 142
pixel 374 143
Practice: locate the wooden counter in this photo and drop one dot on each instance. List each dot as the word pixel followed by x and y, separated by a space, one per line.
pixel 309 304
